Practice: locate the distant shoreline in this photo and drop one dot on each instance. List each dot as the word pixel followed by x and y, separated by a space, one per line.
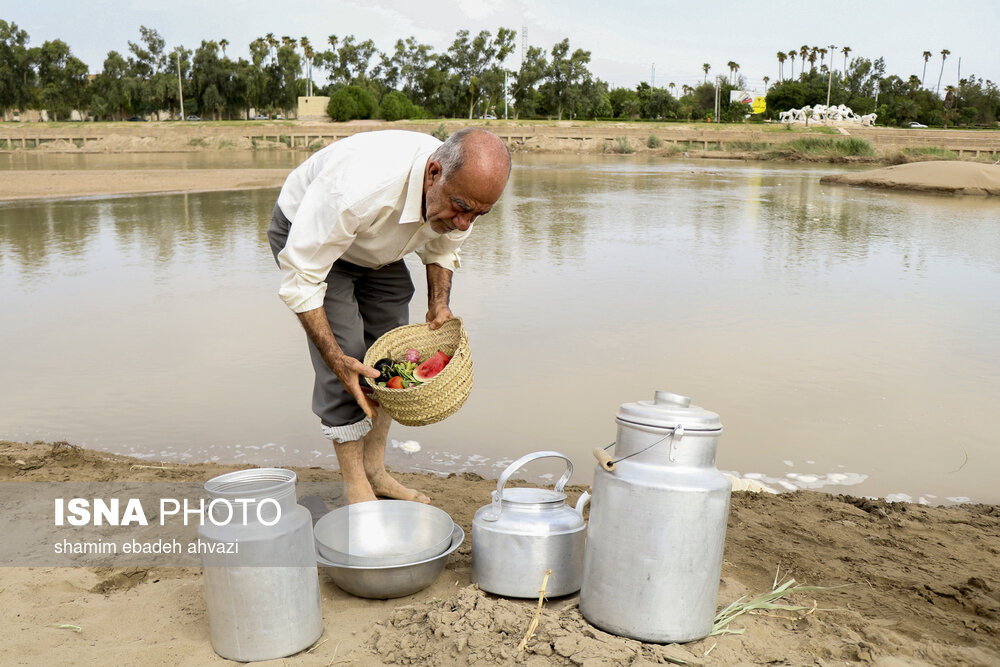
pixel 815 144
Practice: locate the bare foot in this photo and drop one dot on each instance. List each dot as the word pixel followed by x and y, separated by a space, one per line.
pixel 385 486
pixel 359 492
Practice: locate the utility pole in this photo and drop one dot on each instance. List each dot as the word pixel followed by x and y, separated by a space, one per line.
pixel 505 89
pixel 180 88
pixel 829 86
pixel 652 76
pixel 716 99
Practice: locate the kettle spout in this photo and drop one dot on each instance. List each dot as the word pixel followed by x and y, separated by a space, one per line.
pixel 582 502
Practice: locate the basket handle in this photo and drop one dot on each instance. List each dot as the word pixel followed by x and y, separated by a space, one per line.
pixel 495 510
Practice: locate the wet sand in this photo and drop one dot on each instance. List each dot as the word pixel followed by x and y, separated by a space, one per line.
pixel 39 184
pixel 905 585
pixel 943 177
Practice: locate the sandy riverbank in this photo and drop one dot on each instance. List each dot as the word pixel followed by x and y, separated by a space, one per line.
pixel 916 586
pixel 947 177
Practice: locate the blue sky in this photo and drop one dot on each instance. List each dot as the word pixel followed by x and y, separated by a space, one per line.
pixel 625 39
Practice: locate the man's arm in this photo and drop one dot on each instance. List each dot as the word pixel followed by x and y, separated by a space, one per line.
pixel 347 369
pixel 438 295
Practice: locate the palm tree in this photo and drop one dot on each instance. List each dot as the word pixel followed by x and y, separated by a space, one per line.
pixel 706 67
pixel 803 54
pixel 822 58
pixel 307 50
pixel 686 89
pixel 766 79
pixel 223 43
pixel 781 65
pixel 845 51
pixel 671 86
pixel 791 54
pixel 944 56
pixel 272 43
pixel 927 56
pixel 813 51
pixel 733 68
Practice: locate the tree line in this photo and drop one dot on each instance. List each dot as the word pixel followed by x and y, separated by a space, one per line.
pixel 413 80
pixel 862 85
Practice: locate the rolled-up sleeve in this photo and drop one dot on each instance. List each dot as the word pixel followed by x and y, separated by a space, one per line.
pixel 444 250
pixel 323 228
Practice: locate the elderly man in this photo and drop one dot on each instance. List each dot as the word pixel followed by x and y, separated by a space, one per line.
pixel 343 222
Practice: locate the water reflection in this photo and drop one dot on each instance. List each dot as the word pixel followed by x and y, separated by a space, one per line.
pixel 842 334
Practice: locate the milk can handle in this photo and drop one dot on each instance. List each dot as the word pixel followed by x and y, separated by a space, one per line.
pixel 494 514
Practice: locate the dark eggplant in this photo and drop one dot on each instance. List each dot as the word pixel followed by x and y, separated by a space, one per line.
pixel 383 366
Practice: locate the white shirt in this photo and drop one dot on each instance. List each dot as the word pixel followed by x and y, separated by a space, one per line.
pixel 359 199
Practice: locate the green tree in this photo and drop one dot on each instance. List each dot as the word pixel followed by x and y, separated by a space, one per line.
pixel 348 61
pixel 212 101
pixel 624 103
pixel 397 106
pixel 477 62
pixel 16 75
pixel 112 93
pixel 926 56
pixel 342 106
pixel 567 74
pixel 533 69
pixel 62 79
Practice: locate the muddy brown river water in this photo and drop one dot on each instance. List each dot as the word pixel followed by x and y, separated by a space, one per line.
pixel 849 338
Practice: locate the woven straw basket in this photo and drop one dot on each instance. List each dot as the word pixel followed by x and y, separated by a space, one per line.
pixel 442 395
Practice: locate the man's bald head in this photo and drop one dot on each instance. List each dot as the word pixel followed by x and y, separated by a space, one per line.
pixel 477 149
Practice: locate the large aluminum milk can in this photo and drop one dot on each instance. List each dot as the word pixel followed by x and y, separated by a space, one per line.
pixel 263 597
pixel 657 524
pixel 526 532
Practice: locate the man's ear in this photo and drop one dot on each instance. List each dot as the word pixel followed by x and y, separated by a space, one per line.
pixel 433 173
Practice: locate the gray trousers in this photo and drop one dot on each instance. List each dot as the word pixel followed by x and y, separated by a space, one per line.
pixel 361 304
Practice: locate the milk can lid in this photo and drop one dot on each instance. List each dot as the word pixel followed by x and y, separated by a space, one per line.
pixel 667 410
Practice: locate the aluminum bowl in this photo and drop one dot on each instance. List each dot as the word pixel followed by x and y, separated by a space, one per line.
pixel 392 581
pixel 383 532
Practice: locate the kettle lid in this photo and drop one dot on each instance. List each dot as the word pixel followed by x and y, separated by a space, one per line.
pixel 668 410
pixel 533 496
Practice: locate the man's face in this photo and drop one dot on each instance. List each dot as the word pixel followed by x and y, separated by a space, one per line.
pixel 455 202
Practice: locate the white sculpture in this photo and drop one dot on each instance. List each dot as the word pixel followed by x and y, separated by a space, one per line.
pixel 826 114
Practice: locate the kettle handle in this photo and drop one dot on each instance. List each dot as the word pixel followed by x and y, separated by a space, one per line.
pixel 494 514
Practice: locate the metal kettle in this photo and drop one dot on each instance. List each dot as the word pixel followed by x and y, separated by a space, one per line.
pixel 526 532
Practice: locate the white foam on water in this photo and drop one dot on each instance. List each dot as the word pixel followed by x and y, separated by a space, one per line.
pixel 899 498
pixel 788 463
pixel 958 499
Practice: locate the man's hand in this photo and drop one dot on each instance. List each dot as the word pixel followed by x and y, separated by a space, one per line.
pixel 347 369
pixel 438 315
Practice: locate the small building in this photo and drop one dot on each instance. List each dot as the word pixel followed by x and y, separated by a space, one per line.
pixel 313 108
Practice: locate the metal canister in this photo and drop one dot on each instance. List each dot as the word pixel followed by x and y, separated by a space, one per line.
pixel 526 532
pixel 657 524
pixel 259 566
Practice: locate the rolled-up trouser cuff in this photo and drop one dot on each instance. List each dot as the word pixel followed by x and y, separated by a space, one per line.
pixel 348 432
